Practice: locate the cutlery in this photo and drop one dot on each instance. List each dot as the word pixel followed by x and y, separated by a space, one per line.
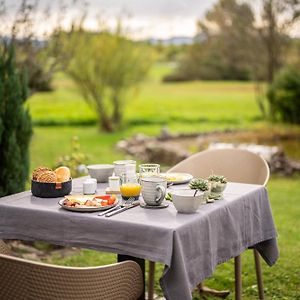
pixel 111 209
pixel 117 207
pixel 124 208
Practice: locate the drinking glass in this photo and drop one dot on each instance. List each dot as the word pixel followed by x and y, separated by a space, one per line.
pixel 130 187
pixel 147 170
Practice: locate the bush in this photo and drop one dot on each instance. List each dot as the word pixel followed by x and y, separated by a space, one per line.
pixel 284 96
pixel 15 126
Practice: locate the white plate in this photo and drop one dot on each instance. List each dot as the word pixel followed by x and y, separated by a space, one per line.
pixel 177 178
pixel 85 209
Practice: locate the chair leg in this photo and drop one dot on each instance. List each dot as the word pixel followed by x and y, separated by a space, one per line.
pixel 258 275
pixel 238 277
pixel 151 280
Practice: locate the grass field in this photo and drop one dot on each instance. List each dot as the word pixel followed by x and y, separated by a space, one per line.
pixel 183 107
pixel 194 106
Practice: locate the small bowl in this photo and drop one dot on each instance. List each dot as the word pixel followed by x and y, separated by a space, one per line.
pixel 50 190
pixel 185 201
pixel 101 171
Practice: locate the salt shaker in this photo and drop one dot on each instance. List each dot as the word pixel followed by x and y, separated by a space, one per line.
pixel 114 183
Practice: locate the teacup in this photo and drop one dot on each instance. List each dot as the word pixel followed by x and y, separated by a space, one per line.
pixel 153 190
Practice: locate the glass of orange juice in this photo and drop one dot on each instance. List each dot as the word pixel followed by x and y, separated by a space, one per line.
pixel 130 187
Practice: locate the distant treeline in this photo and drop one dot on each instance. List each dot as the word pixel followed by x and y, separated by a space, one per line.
pixel 231 46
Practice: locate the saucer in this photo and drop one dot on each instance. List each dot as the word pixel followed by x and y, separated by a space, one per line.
pixel 162 205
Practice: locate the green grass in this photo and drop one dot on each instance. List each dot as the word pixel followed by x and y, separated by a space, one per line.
pixel 190 105
pixel 281 281
pixel 183 107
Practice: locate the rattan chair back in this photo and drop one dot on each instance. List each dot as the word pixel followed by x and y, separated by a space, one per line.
pixel 236 165
pixel 4 249
pixel 22 279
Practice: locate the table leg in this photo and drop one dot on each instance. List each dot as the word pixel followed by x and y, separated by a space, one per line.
pixel 238 277
pixel 141 263
pixel 258 275
pixel 151 280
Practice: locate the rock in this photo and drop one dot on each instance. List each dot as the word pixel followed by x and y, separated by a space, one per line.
pixel 169 149
pixel 165 133
pixel 122 145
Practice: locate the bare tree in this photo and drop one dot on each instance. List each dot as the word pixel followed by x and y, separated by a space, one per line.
pixel 278 17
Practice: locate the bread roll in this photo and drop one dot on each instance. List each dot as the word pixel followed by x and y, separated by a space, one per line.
pixel 47 176
pixel 38 171
pixel 63 174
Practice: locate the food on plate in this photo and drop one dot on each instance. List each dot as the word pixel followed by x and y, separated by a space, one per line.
pixel 81 201
pixel 38 171
pixel 176 178
pixel 173 177
pixel 63 174
pixel 47 177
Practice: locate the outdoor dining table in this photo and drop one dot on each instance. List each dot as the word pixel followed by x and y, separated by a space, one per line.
pixel 189 245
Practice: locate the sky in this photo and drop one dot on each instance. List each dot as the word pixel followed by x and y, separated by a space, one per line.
pixel 142 18
pixel 157 18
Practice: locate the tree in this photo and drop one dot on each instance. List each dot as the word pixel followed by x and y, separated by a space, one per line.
pixel 284 95
pixel 105 66
pixel 37 51
pixel 223 46
pixel 15 125
pixel 278 17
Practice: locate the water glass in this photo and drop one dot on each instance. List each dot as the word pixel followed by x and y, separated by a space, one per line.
pixel 147 170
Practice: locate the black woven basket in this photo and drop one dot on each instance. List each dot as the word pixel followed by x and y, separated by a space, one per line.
pixel 51 190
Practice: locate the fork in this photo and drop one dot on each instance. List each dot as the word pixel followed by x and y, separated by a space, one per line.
pixel 132 203
pixel 117 207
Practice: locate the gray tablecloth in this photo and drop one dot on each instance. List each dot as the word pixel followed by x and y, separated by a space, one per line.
pixel 190 246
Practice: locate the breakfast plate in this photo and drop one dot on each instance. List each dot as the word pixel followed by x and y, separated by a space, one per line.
pixel 88 203
pixel 177 178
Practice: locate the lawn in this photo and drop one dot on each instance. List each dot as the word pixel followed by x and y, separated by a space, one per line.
pixel 183 107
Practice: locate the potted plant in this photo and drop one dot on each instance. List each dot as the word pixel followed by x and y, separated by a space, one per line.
pixel 202 185
pixel 217 186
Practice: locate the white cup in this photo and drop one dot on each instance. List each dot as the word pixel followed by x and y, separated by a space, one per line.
pixel 153 190
pixel 90 186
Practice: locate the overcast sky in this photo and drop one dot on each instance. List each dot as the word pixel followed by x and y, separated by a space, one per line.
pixel 143 18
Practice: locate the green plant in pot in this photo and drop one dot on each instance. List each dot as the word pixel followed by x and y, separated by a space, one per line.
pixel 199 184
pixel 217 186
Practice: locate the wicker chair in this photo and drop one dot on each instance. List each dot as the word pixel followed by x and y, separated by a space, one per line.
pixel 22 279
pixel 4 249
pixel 238 166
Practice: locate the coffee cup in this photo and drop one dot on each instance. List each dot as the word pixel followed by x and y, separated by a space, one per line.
pixel 153 190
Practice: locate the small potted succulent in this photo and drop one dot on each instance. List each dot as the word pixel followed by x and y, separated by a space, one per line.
pixel 217 186
pixel 202 185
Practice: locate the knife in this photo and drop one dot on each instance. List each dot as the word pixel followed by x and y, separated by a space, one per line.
pixel 110 210
pixel 115 212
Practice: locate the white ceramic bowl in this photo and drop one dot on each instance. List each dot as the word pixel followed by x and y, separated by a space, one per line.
pixel 185 201
pixel 101 172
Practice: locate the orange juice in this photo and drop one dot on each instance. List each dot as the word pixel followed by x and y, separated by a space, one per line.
pixel 130 190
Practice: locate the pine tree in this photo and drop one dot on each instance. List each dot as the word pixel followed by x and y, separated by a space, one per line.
pixel 15 125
